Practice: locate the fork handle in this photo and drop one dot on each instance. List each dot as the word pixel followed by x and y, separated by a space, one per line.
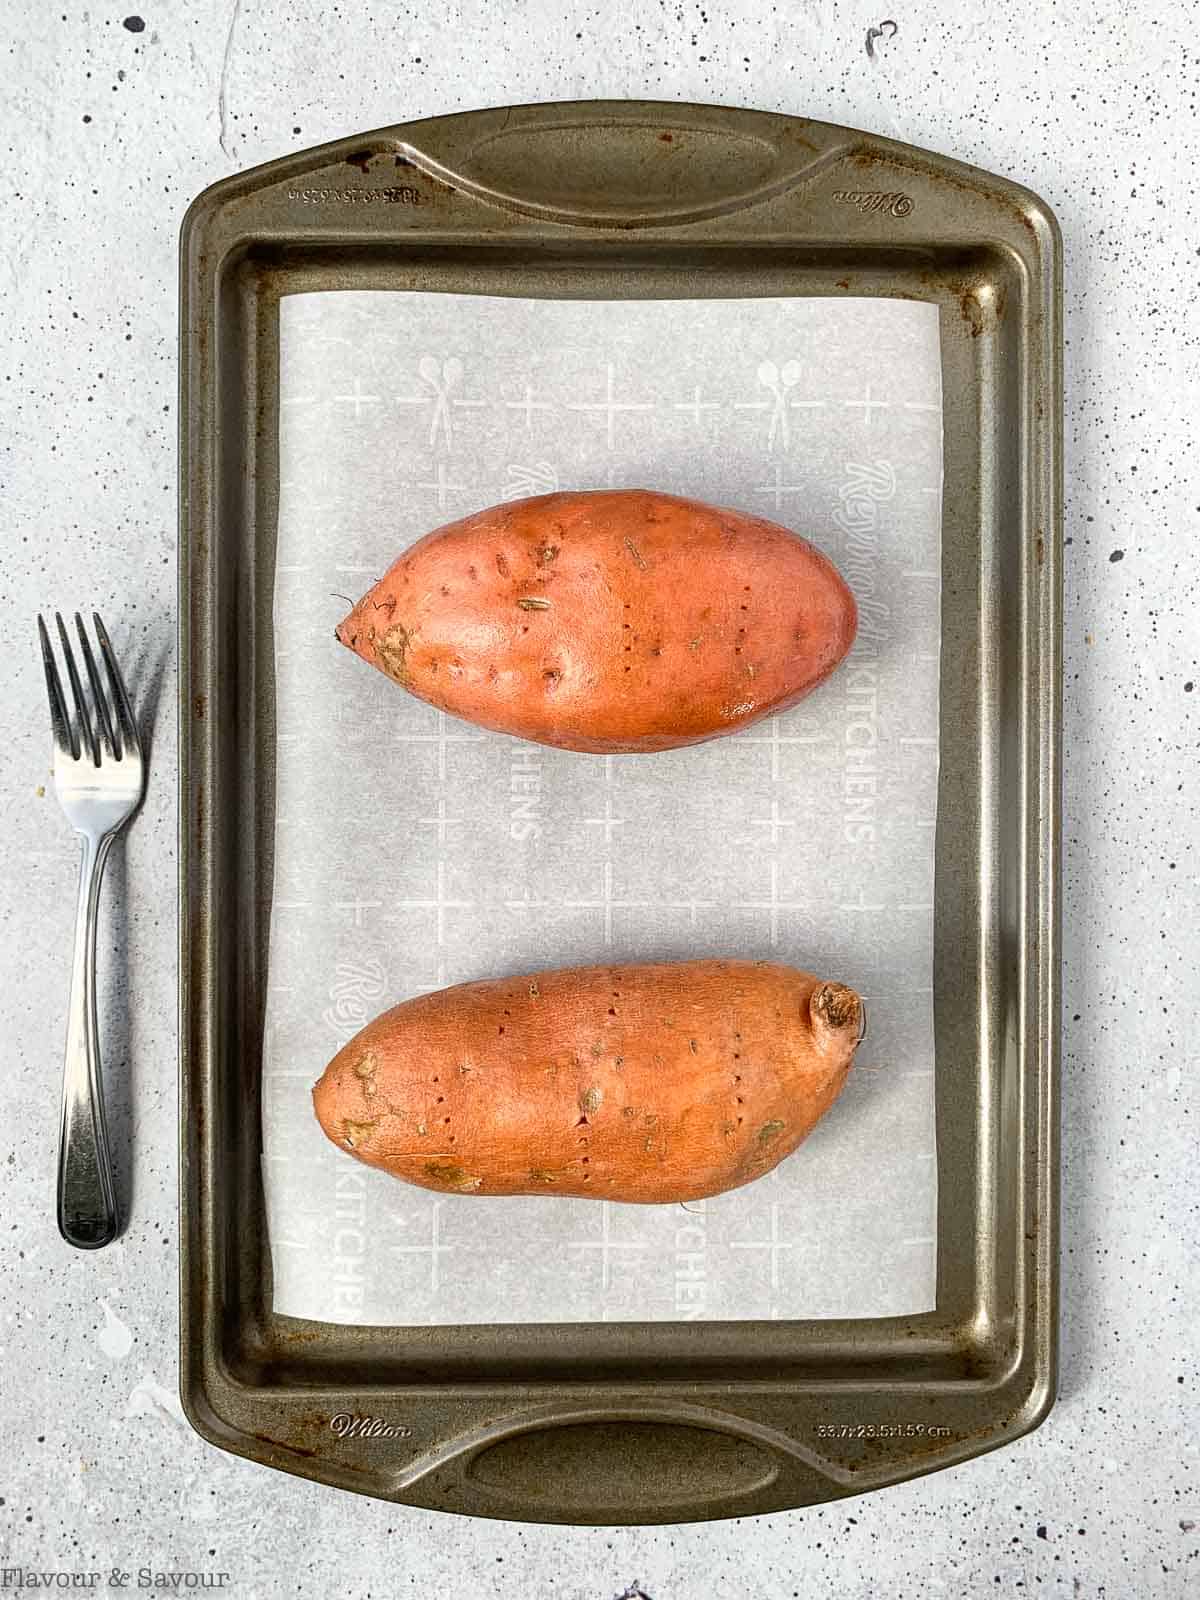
pixel 87 1204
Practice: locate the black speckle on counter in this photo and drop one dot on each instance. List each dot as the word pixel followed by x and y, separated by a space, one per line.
pixel 134 25
pixel 1188 686
pixel 1117 555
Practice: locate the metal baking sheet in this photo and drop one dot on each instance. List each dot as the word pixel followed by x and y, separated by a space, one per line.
pixel 667 1421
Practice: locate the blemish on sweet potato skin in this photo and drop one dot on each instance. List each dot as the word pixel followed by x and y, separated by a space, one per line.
pixel 354 1131
pixel 391 650
pixel 448 1175
pixel 364 1070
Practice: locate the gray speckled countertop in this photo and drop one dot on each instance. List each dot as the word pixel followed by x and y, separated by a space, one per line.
pixel 112 122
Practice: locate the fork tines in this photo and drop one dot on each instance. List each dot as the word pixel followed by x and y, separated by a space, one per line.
pixel 106 727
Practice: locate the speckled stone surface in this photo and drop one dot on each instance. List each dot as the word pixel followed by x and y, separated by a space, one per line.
pixel 112 122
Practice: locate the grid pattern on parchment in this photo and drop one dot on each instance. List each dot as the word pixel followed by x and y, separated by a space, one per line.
pixel 414 851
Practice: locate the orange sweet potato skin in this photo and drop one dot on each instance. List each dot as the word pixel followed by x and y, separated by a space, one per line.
pixel 649 1083
pixel 607 621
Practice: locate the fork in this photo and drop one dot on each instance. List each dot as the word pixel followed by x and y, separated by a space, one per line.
pixel 99 777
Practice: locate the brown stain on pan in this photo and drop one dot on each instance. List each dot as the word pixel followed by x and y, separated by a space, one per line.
pixel 280 1444
pixel 981 313
pixel 979 307
pixel 971 308
pixel 301 1335
pixel 794 136
pixel 865 160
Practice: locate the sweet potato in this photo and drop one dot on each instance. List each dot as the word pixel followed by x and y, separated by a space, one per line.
pixel 619 620
pixel 649 1083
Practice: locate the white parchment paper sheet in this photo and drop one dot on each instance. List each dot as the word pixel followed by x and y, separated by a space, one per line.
pixel 413 851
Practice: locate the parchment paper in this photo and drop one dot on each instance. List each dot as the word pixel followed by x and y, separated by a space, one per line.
pixel 413 851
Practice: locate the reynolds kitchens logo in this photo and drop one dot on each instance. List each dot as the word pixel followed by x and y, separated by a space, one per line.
pixel 358 986
pixel 864 490
pixel 691 1264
